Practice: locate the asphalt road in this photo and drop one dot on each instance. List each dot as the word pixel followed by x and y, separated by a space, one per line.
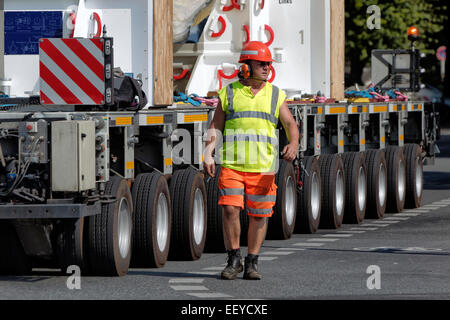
pixel 403 256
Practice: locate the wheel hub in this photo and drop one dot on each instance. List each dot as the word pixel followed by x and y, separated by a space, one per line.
pixel 315 196
pixel 362 189
pixel 124 227
pixel 290 201
pixel 162 221
pixel 401 180
pixel 339 193
pixel 199 221
pixel 419 177
pixel 382 183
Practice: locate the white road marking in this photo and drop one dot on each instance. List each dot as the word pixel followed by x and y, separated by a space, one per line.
pixel 209 295
pixel 322 239
pixel 337 235
pixel 312 244
pixel 267 258
pixel 384 221
pixel 407 214
pixel 283 253
pixel 359 228
pixel 432 208
pixel 189 288
pixel 416 211
pixel 186 280
pixel 374 225
pixel 396 218
pixel 352 231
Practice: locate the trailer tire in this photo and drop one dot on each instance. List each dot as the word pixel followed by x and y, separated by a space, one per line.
pixel 414 176
pixel 215 239
pixel 13 259
pixel 70 244
pixel 333 191
pixel 309 198
pixel 152 220
pixel 396 165
pixel 282 223
pixel 188 235
pixel 356 187
pixel 377 186
pixel 110 232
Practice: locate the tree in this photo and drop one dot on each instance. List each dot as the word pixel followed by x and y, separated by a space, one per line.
pixel 429 16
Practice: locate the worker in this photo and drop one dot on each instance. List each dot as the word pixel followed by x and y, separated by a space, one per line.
pixel 247 115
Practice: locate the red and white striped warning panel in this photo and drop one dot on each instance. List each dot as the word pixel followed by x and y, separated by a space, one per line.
pixel 72 71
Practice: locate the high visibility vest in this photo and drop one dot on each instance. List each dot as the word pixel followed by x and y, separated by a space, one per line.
pixel 250 139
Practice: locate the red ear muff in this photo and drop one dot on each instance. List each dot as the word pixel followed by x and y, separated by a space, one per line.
pixel 245 71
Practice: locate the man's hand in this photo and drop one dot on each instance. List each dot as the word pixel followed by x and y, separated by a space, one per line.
pixel 209 166
pixel 218 123
pixel 290 151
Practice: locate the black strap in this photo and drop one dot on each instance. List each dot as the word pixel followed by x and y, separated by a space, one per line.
pixel 137 89
pixel 124 96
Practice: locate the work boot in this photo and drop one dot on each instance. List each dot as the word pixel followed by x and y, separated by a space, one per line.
pixel 251 268
pixel 234 265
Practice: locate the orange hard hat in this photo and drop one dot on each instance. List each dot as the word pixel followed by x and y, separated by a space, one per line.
pixel 256 50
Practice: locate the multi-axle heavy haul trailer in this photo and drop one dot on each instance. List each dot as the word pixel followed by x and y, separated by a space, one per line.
pixel 100 169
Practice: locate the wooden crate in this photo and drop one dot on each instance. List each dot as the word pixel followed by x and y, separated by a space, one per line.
pixel 162 52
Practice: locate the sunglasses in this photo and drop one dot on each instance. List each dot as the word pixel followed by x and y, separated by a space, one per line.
pixel 262 64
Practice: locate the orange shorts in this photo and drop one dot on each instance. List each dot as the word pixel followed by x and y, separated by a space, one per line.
pixel 259 190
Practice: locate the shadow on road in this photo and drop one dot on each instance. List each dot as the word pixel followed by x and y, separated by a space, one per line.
pixel 434 180
pixel 172 274
pixel 439 180
pixel 444 146
pixel 30 279
pixel 37 276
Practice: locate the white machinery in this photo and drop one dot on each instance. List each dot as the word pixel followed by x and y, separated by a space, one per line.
pixel 300 44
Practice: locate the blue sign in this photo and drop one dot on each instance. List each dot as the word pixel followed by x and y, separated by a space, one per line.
pixel 23 29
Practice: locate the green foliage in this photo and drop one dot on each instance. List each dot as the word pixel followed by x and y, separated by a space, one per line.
pixel 397 16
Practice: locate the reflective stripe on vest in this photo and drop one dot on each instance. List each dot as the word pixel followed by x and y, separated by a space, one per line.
pixel 250 138
pixel 253 114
